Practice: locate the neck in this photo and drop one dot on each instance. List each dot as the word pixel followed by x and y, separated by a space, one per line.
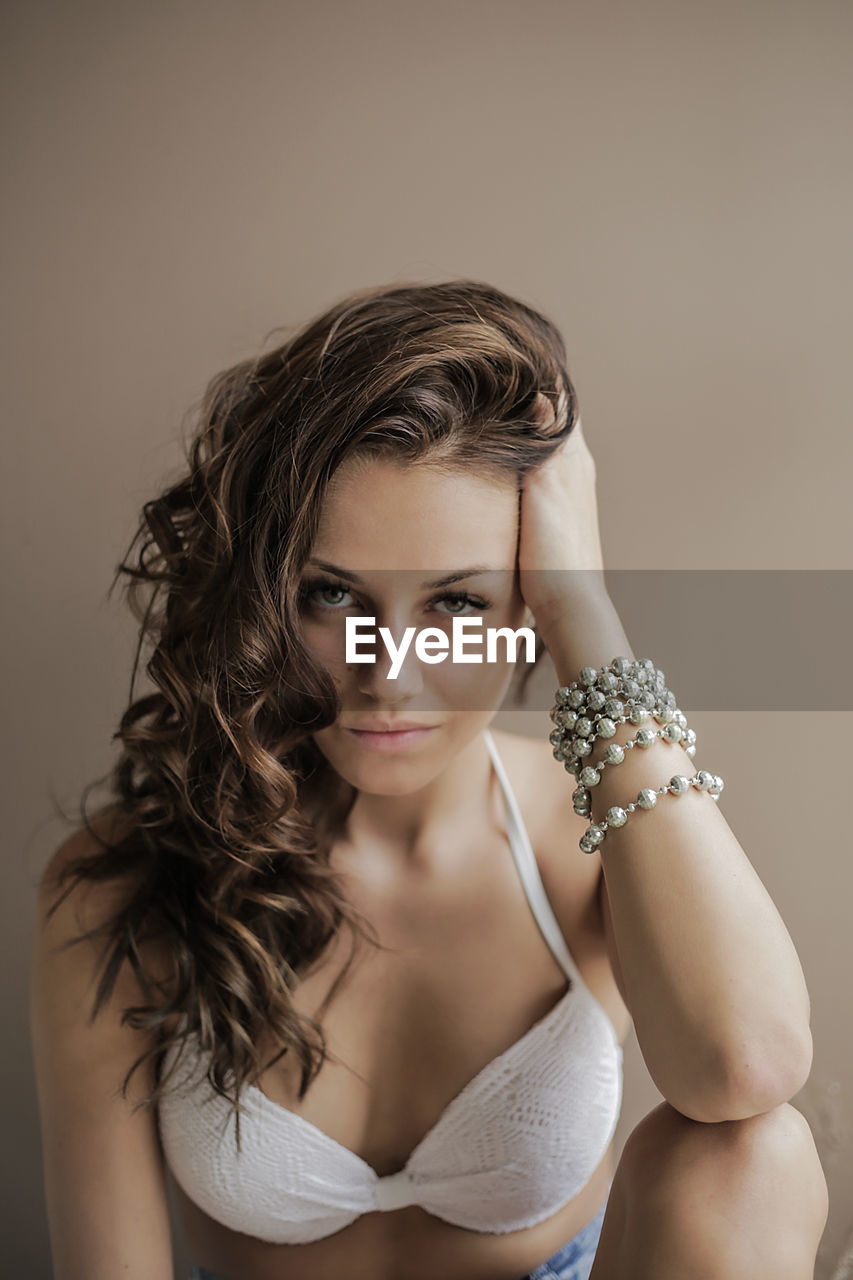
pixel 420 828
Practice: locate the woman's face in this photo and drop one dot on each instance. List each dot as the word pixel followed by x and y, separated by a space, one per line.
pixel 396 528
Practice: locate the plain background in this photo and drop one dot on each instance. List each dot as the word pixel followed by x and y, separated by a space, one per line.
pixel 670 182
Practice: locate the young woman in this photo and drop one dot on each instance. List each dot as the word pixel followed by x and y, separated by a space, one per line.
pixel 438 1100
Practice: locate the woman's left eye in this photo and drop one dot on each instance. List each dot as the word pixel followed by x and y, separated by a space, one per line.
pixel 317 586
pixel 478 605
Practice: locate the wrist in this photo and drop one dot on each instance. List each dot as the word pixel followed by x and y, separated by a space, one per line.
pixel 583 630
pixel 562 592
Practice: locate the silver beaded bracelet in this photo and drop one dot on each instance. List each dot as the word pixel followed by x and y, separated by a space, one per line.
pixel 592 707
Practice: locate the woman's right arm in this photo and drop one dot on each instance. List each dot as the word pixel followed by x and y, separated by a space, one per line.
pixel 104 1178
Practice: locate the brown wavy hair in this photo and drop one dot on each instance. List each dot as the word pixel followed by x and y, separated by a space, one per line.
pixel 229 810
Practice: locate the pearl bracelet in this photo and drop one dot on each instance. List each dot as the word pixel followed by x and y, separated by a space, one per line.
pixel 678 785
pixel 592 707
pixel 590 775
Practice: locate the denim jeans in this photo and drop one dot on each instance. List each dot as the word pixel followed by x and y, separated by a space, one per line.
pixel 572 1261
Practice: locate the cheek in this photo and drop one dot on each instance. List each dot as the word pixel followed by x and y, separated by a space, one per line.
pixel 326 640
pixel 478 686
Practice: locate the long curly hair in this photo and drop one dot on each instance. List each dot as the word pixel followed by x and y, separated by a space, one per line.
pixel 229 810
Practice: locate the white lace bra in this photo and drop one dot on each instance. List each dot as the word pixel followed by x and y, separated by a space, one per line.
pixel 520 1140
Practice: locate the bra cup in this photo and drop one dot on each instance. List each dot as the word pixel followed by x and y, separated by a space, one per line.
pixel 283 1187
pixel 526 1137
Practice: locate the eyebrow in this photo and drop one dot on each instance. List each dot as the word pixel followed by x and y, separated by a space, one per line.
pixel 473 572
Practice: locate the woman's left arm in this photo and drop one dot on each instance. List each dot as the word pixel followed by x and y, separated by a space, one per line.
pixel 712 979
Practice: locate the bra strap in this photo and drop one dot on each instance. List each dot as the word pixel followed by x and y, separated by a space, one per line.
pixel 528 869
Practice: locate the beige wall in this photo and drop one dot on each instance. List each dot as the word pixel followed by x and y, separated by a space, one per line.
pixel 670 182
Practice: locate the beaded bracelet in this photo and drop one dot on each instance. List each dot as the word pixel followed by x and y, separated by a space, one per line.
pixel 590 775
pixel 592 707
pixel 647 798
pixel 575 705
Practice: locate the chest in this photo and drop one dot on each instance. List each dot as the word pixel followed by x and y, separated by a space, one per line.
pixel 463 975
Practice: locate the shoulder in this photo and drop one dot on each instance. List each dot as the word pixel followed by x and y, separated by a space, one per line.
pixel 544 789
pixel 84 897
pixel 68 907
pixel 85 901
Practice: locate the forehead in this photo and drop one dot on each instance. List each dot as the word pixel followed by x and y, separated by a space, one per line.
pixel 381 513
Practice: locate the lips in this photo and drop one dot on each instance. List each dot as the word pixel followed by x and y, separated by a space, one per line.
pixel 388 726
pixel 392 741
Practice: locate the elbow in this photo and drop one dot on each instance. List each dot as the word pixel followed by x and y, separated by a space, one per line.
pixel 749 1079
pixel 756 1078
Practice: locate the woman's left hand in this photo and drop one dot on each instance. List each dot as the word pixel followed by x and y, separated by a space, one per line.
pixel 559 550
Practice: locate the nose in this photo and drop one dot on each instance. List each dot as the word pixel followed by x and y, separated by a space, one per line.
pixel 374 678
